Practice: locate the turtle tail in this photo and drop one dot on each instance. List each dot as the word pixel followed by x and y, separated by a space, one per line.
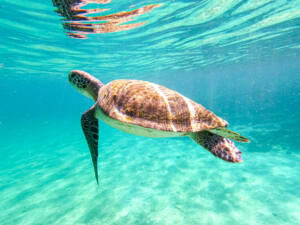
pixel 219 146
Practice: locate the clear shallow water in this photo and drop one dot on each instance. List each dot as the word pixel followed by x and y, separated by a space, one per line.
pixel 239 59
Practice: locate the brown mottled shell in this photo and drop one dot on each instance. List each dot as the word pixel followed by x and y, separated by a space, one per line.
pixel 153 106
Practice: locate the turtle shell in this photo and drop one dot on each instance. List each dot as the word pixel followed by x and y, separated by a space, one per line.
pixel 153 106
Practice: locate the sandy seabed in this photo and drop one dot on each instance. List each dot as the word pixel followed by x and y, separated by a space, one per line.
pixel 48 179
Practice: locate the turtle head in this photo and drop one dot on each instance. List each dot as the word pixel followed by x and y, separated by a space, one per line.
pixel 85 83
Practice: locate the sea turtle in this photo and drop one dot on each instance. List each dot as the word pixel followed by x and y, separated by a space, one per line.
pixel 151 110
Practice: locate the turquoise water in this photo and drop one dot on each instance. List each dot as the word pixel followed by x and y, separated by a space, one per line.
pixel 239 59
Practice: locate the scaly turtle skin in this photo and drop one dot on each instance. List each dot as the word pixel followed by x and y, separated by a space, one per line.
pixel 147 109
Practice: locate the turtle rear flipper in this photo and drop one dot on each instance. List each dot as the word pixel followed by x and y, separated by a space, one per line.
pixel 224 132
pixel 219 146
pixel 90 129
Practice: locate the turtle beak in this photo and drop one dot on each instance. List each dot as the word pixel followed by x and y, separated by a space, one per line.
pixel 71 77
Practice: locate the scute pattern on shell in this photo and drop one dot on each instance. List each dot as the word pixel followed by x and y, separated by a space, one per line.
pixel 153 106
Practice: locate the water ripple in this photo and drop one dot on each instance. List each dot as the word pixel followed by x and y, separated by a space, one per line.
pixel 177 35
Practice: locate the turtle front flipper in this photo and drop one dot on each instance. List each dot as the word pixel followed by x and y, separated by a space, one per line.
pixel 89 125
pixel 218 146
pixel 224 132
